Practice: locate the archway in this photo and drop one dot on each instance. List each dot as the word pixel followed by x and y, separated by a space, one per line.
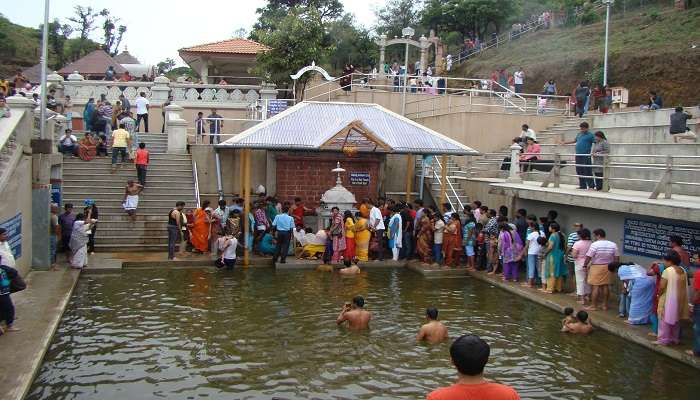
pixel 309 68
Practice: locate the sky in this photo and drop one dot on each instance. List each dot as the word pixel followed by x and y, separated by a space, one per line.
pixel 156 29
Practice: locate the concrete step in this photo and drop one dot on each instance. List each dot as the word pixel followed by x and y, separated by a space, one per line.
pixel 107 247
pixel 113 226
pixel 106 165
pixel 153 183
pixel 144 198
pixel 134 232
pixel 658 149
pixel 105 238
pixel 142 216
pixel 123 174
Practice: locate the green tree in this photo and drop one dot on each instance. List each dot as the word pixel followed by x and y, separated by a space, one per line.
pixel 396 15
pixel 84 20
pixel 58 36
pixel 298 39
pixel 165 66
pixel 351 44
pixel 276 10
pixel 112 39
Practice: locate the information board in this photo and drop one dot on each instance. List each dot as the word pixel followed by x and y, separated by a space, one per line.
pixel 14 234
pixel 649 238
pixel 359 178
pixel 275 107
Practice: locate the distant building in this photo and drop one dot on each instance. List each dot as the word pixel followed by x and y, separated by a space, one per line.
pixel 94 65
pixel 232 60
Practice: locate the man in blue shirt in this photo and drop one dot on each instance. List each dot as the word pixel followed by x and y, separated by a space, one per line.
pixel 282 226
pixel 584 142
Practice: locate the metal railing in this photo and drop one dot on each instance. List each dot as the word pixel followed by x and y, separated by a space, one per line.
pixel 663 184
pixel 196 182
pixel 476 89
pixel 436 174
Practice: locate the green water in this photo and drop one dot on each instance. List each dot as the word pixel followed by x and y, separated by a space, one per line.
pixel 205 334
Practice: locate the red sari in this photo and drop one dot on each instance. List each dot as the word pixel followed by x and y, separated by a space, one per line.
pixel 87 149
pixel 200 231
pixel 452 242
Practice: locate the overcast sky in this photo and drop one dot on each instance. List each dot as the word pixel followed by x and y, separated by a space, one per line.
pixel 157 28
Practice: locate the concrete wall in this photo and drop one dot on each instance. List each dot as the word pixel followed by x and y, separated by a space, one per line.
pixel 16 198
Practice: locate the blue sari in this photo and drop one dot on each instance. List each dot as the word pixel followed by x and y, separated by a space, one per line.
pixel 642 292
pixel 87 116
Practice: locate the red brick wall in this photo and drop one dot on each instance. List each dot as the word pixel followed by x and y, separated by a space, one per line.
pixel 309 175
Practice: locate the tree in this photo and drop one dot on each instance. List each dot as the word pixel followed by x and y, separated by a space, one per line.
pixel 240 33
pixel 112 40
pixel 276 10
pixel 58 36
pixel 350 44
pixel 165 66
pixel 298 39
pixel 84 21
pixel 396 15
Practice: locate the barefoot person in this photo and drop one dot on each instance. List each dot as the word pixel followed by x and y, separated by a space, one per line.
pixel 469 355
pixel 600 254
pixel 358 318
pixel 433 331
pixel 175 229
pixel 581 327
pixel 131 198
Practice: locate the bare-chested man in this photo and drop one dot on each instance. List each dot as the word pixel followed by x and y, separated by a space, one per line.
pixel 433 331
pixel 358 318
pixel 131 198
pixel 349 269
pixel 581 327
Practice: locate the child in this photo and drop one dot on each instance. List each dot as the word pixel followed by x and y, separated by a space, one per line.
pixel 541 105
pixel 542 241
pixel 568 318
pixel 141 160
pixel 227 245
pixel 102 146
pixel 493 255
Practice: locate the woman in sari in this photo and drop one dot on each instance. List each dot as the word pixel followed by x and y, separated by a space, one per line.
pixel 424 239
pixel 395 231
pixel 116 111
pixel 452 241
pixel 201 227
pixel 87 147
pixel 555 266
pixel 337 234
pixel 673 300
pixel 88 113
pixel 349 237
pixel 79 241
pixel 362 237
pixel 510 248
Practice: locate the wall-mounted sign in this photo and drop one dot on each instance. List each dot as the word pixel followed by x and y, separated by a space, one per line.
pixel 649 238
pixel 14 234
pixel 359 178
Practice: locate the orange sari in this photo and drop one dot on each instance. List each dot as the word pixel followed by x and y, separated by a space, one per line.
pixel 200 231
pixel 452 242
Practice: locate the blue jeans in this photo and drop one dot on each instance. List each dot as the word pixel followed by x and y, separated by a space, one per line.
pixel 53 242
pixel 624 305
pixel 116 151
pixel 696 329
pixel 531 266
pixel 108 126
pixel 437 252
pixel 585 172
pixel 407 248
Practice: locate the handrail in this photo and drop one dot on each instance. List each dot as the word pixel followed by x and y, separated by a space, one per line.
pixel 449 184
pixel 196 182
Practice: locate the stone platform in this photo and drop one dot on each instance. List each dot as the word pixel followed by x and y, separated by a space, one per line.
pixel 603 320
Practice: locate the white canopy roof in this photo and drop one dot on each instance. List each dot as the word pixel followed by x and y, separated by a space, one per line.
pixel 321 126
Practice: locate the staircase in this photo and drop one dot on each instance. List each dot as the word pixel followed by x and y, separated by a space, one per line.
pixel 169 180
pixel 455 192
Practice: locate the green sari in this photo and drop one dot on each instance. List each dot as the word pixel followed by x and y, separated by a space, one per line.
pixel 556 267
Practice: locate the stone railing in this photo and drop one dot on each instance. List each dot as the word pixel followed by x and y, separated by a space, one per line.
pixel 15 135
pixel 158 91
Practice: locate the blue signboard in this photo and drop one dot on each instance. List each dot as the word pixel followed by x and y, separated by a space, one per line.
pixel 14 234
pixel 649 238
pixel 56 193
pixel 275 107
pixel 359 178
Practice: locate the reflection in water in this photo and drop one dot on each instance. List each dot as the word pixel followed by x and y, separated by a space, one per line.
pixel 258 334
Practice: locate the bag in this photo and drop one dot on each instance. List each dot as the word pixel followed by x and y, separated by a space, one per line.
pixel 337 230
pixel 17 284
pixel 219 263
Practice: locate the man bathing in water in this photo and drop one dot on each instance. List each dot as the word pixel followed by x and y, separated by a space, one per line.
pixel 131 198
pixel 358 318
pixel 581 327
pixel 433 331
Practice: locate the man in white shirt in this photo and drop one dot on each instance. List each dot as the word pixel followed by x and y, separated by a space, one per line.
pixel 519 77
pixel 527 132
pixel 68 143
pixel 376 224
pixel 228 244
pixel 6 256
pixel 142 105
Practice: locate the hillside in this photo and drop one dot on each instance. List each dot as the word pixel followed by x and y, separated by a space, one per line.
pixel 648 51
pixel 19 47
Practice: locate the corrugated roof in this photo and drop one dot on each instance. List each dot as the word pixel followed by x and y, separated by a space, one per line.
pixel 310 125
pixel 230 46
pixel 94 63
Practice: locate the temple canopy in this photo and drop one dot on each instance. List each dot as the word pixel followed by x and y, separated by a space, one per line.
pixel 94 64
pixel 346 127
pixel 231 59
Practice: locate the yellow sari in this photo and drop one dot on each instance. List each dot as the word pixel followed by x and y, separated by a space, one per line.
pixel 362 237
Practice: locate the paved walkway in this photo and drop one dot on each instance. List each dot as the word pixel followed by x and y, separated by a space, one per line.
pixel 605 320
pixel 39 310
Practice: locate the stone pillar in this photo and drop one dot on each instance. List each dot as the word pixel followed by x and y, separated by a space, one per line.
pixel 268 91
pixel 55 81
pixel 25 128
pixel 424 44
pixel 176 128
pixel 160 90
pixel 382 50
pixel 204 71
pixel 514 174
pixel 75 76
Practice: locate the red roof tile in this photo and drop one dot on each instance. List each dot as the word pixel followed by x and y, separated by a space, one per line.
pixel 230 46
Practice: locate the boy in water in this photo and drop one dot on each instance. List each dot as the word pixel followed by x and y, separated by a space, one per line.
pixel 358 318
pixel 433 331
pixel 581 327
pixel 568 318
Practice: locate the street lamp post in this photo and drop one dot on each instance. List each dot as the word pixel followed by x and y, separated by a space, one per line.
pixel 44 63
pixel 407 33
pixel 608 4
